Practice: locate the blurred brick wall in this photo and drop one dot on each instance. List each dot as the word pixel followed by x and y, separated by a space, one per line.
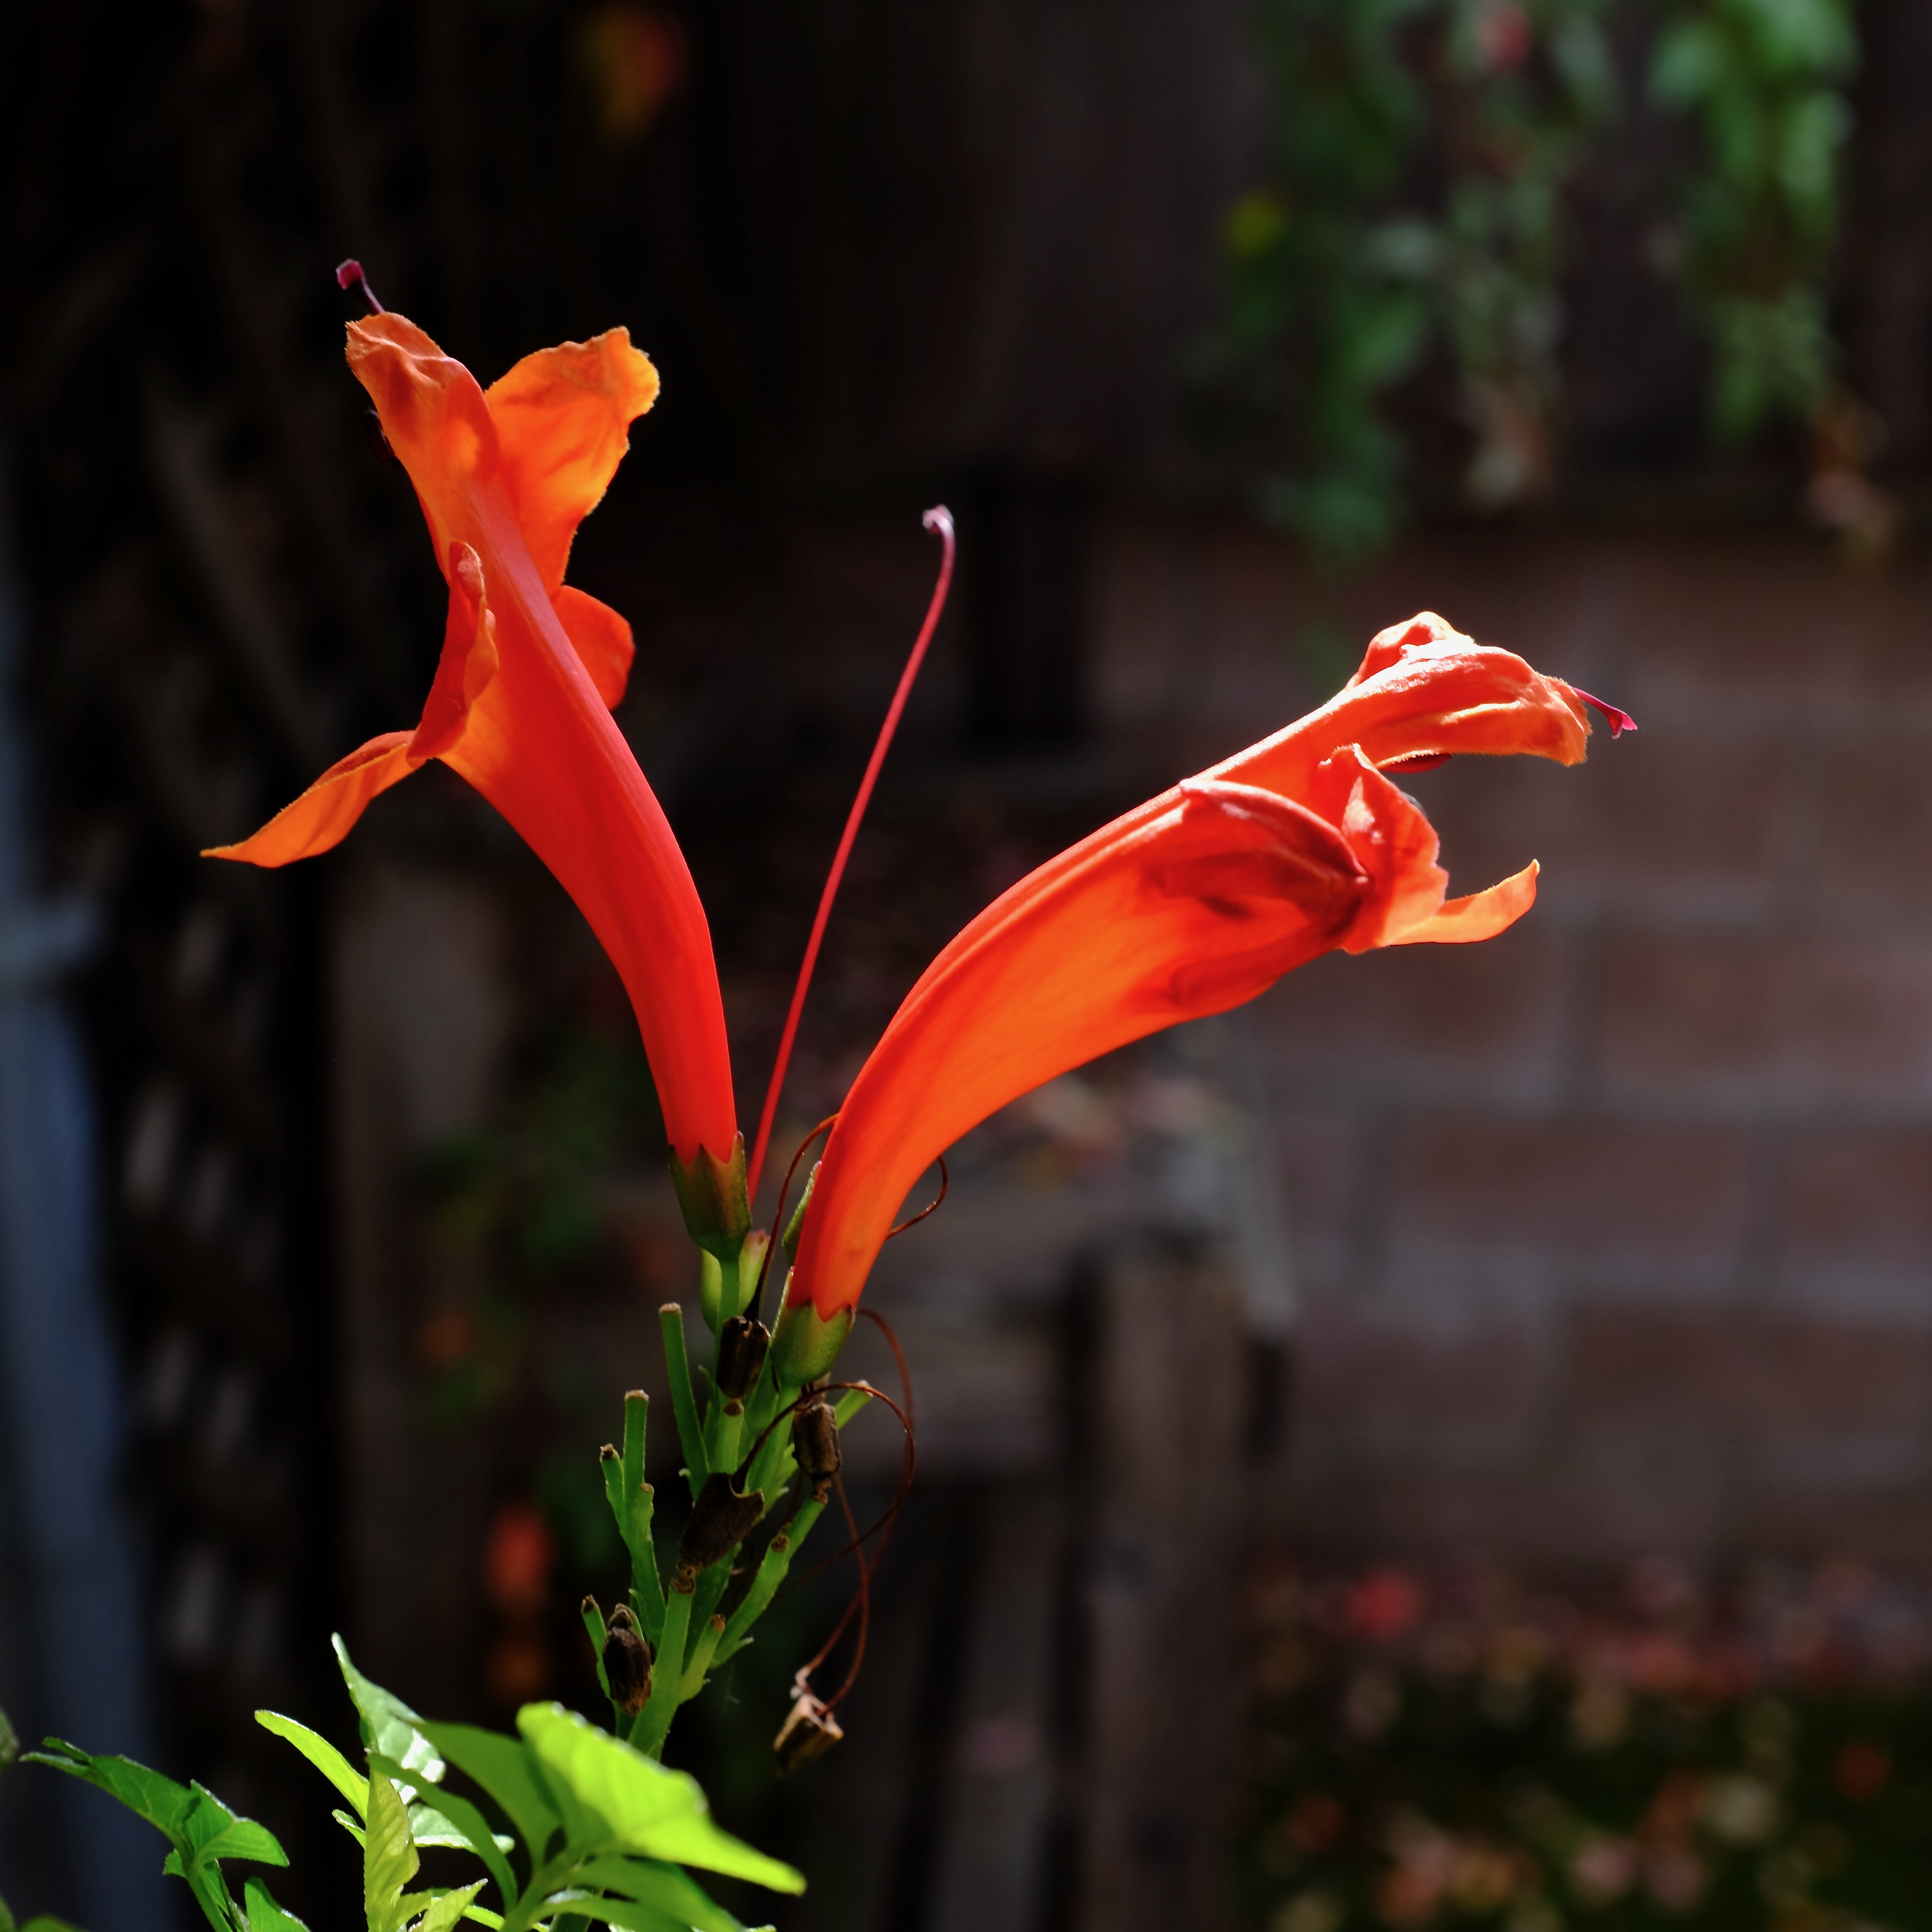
pixel 1616 1232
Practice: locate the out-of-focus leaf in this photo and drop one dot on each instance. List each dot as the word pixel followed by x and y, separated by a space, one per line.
pixel 663 1888
pixel 572 1905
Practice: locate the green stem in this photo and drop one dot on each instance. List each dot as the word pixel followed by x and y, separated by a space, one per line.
pixel 594 1627
pixel 710 1591
pixel 849 1405
pixel 544 1881
pixel 670 1318
pixel 727 1423
pixel 637 1421
pixel 647 1596
pixel 701 1652
pixel 771 1574
pixel 772 1469
pixel 667 1677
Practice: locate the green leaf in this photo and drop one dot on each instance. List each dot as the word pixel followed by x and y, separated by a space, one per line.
pixel 265 1915
pixel 10 1742
pixel 395 1729
pixel 200 1829
pixel 212 1831
pixel 44 1924
pixel 349 1825
pixel 665 1887
pixel 573 1905
pixel 661 1813
pixel 323 1755
pixel 389 1859
pixel 455 1822
pixel 160 1800
pixel 448 1909
pixel 503 1768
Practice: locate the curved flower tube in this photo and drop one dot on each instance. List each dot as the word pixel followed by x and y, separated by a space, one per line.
pixel 519 706
pixel 1190 904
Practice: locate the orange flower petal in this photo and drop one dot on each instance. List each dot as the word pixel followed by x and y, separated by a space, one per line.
pixel 1424 689
pixel 1197 902
pixel 563 419
pixel 602 639
pixel 1091 950
pixel 1392 842
pixel 518 707
pixel 1477 915
pixel 326 813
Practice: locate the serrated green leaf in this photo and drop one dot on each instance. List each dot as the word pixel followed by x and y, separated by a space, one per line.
pixel 389 1859
pixel 503 1768
pixel 160 1800
pixel 448 1909
pixel 453 1821
pixel 264 1915
pixel 212 1831
pixel 395 1730
pixel 323 1755
pixel 659 1814
pixel 665 1888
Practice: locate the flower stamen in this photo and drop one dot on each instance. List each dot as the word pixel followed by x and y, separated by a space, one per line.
pixel 939 520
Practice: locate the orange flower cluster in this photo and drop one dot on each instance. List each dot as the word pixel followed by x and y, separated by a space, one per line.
pixel 1195 902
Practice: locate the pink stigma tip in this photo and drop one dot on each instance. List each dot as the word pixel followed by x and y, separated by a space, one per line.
pixel 1620 720
pixel 349 275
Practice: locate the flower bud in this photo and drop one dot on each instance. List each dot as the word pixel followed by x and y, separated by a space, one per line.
pixel 720 1520
pixel 809 1732
pixel 742 1347
pixel 627 1662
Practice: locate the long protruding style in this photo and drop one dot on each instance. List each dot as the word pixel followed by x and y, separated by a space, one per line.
pixel 939 520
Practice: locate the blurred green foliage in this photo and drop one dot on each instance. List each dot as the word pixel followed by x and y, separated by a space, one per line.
pixel 1764 81
pixel 1416 202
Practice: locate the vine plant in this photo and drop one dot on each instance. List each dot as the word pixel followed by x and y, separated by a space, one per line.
pixel 1415 198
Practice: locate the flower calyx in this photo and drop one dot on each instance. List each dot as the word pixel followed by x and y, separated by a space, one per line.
pixel 717 1210
pixel 806 1343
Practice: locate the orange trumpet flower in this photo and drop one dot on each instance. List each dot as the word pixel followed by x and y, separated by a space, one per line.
pixel 1193 903
pixel 521 702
